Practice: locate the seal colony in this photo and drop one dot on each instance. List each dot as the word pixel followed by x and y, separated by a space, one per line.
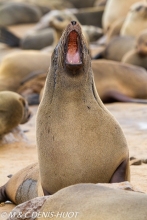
pixel 78 140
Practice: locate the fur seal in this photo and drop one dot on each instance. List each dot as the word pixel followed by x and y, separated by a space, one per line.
pixel 13 111
pixel 16 66
pixel 116 81
pixel 18 12
pixel 138 56
pixel 121 9
pixel 136 20
pixel 70 94
pixel 87 201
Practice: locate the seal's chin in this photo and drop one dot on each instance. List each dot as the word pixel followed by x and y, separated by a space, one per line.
pixel 73 53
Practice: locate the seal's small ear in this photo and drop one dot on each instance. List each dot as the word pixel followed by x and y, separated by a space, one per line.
pixel 23 101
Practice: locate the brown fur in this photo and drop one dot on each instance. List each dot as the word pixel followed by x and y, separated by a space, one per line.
pixel 114 77
pixel 136 20
pixel 74 139
pixel 87 201
pixel 13 111
pixel 121 9
pixel 16 66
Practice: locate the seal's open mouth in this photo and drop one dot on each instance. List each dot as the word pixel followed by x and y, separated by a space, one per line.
pixel 73 54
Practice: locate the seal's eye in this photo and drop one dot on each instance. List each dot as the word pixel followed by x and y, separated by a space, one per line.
pixel 139 8
pixel 59 18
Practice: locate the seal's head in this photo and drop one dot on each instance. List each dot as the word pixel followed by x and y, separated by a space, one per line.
pixel 72 51
pixel 141 45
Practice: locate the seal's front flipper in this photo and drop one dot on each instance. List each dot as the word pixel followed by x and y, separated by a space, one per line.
pixel 122 172
pixel 3 195
pixel 114 96
pixel 9 38
pixel 46 193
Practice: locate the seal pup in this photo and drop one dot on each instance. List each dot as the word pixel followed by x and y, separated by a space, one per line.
pixel 70 105
pixel 13 111
pixel 138 55
pixel 121 9
pixel 136 20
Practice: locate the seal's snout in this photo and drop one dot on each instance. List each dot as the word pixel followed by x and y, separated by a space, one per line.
pixel 73 22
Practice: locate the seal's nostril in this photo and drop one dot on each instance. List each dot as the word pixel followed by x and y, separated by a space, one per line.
pixel 73 22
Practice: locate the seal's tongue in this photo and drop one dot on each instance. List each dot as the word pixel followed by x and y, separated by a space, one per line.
pixel 73 54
